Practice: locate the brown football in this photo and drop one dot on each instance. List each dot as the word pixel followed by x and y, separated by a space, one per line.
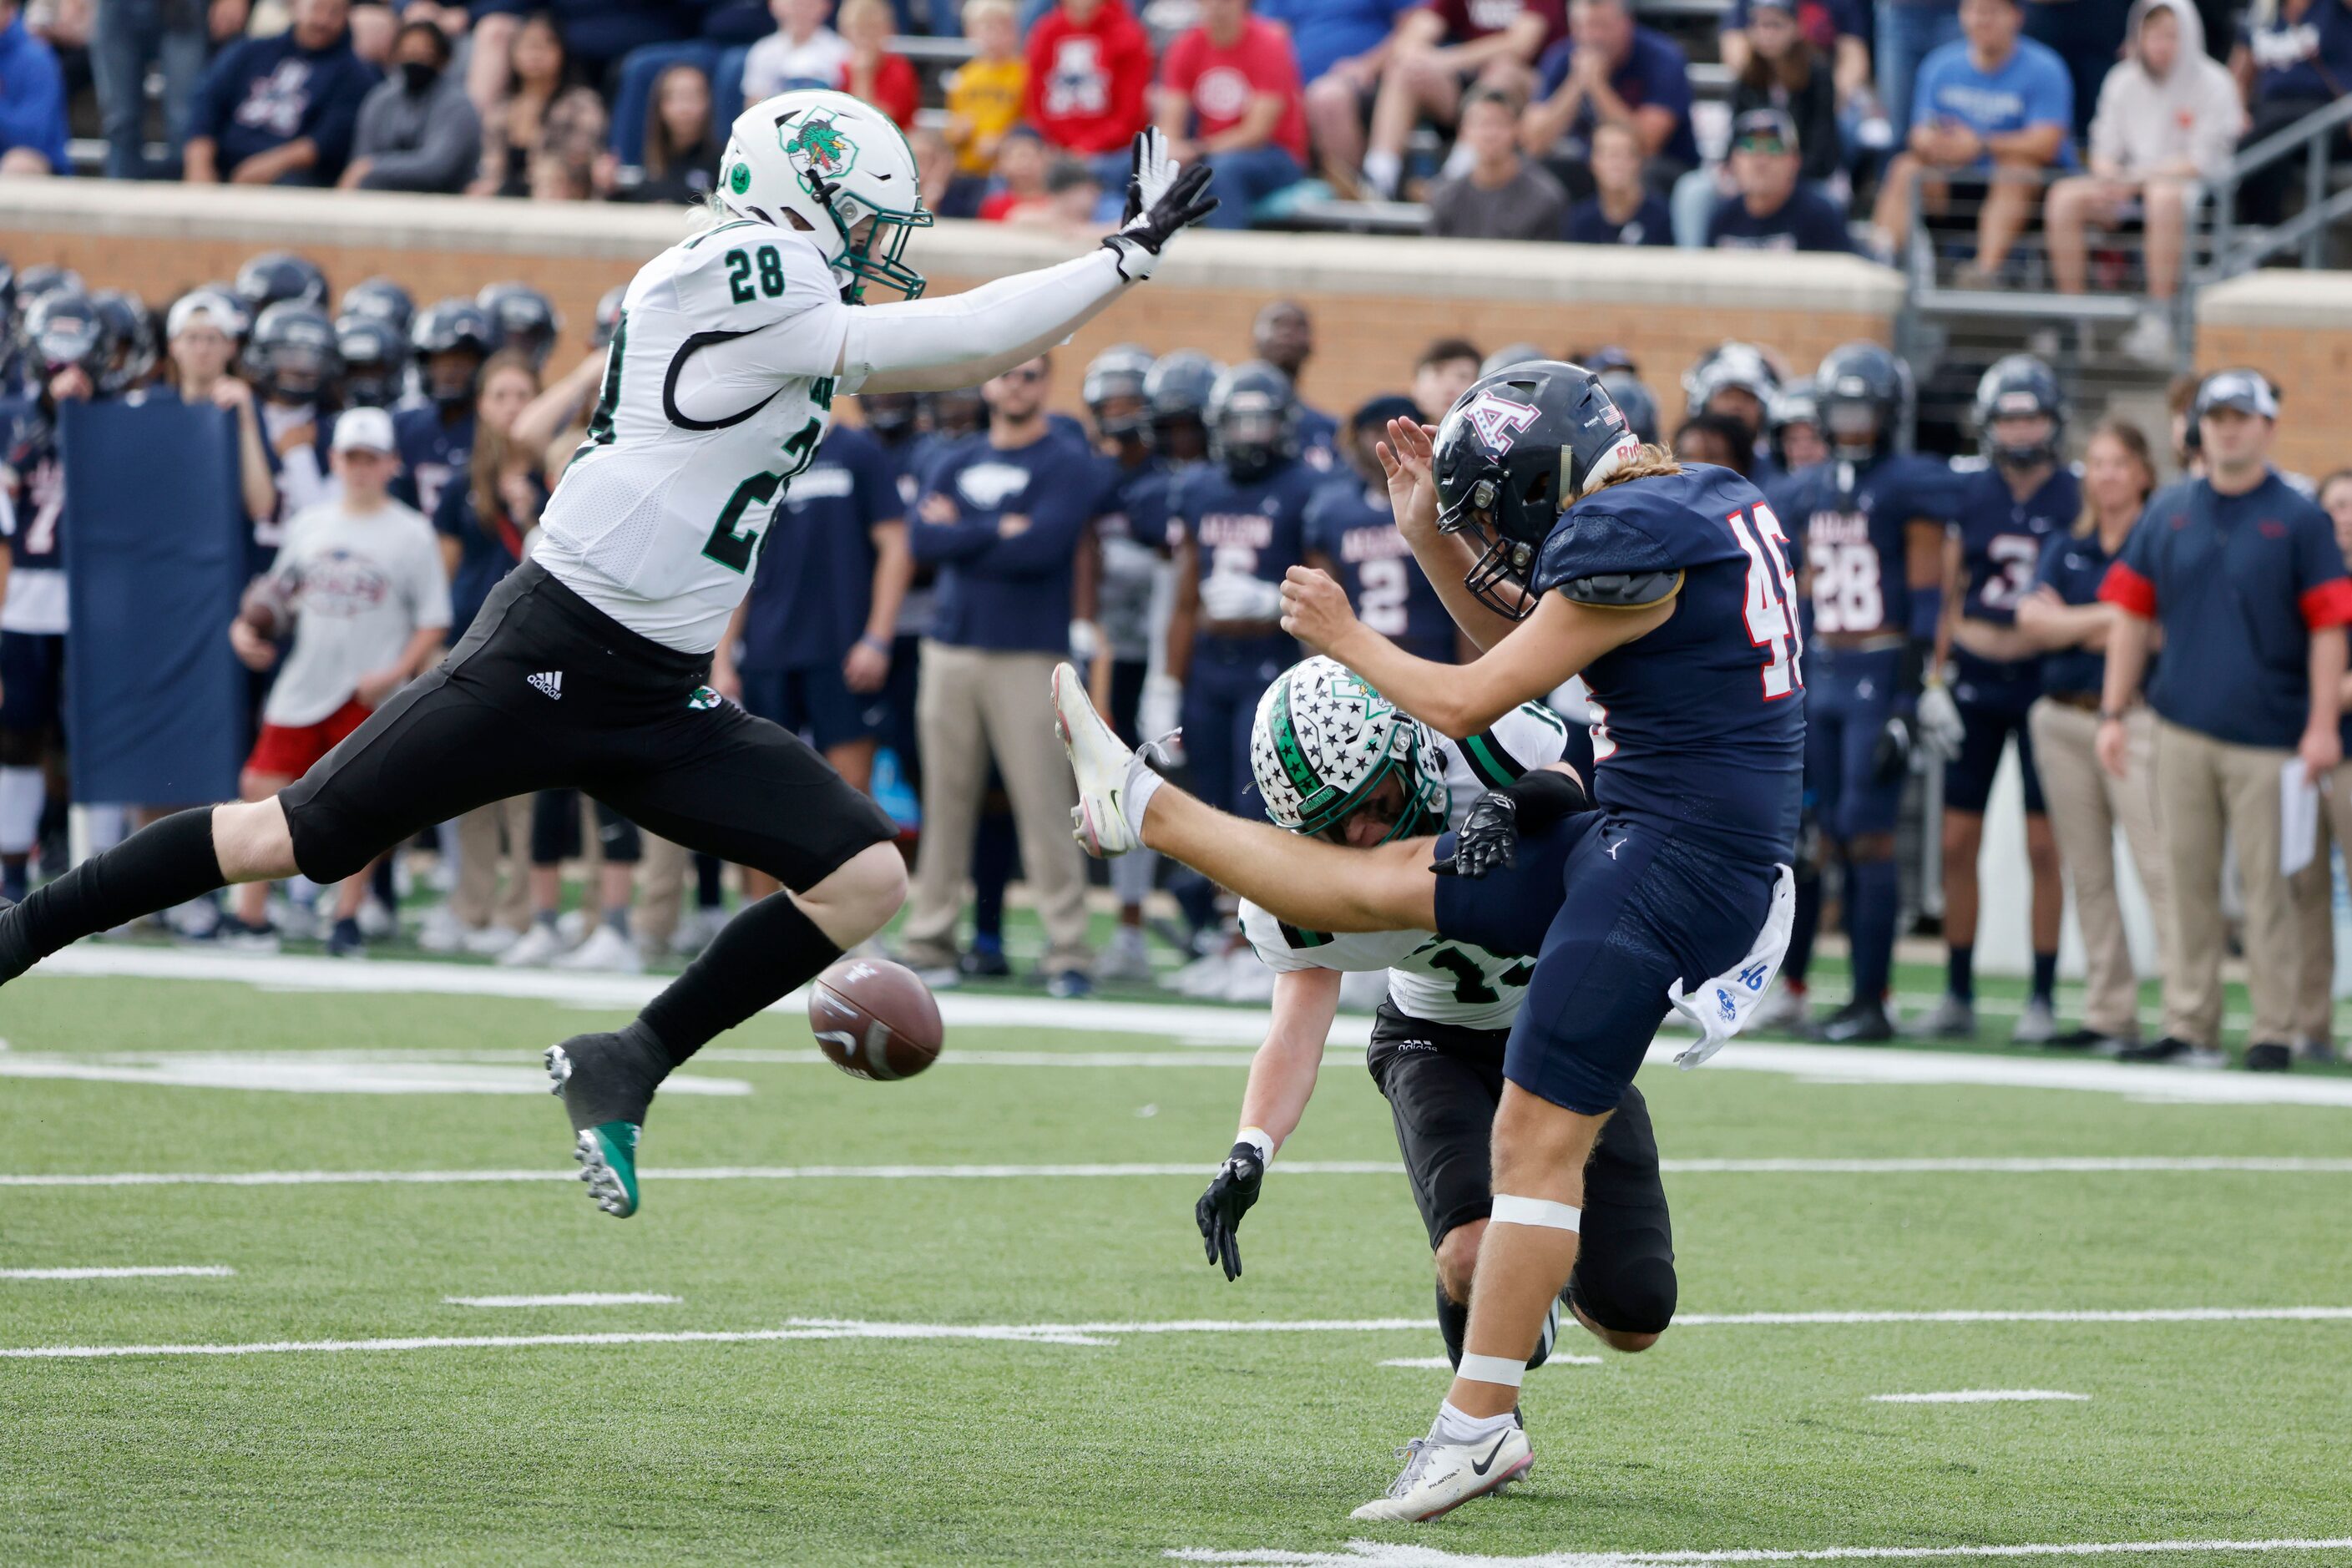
pixel 873 1019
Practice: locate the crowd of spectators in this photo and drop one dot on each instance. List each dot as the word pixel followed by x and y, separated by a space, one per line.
pixel 947 551
pixel 1498 115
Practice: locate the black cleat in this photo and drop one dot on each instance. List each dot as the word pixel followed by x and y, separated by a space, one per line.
pixel 2269 1057
pixel 1861 1022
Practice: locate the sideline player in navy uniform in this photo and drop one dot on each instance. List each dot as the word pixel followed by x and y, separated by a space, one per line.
pixel 1667 588
pixel 1870 523
pixel 2007 507
pixel 67 346
pixel 586 667
pixel 1351 534
pixel 437 437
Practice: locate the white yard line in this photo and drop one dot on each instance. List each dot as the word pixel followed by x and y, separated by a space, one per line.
pixel 1207 1026
pixel 1996 1166
pixel 1980 1396
pixel 167 1271
pixel 569 1298
pixel 1391 1554
pixel 297 1072
pixel 1105 1334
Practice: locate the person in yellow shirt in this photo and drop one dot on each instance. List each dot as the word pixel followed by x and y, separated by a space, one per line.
pixel 984 95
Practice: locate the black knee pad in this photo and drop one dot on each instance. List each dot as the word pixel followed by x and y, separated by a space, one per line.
pixel 1636 1298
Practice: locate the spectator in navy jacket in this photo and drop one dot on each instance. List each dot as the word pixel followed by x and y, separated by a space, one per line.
pixel 724 34
pixel 281 110
pixel 1620 210
pixel 1772 210
pixel 1608 67
pixel 2296 57
pixel 32 101
pixel 1000 516
pixel 2244 576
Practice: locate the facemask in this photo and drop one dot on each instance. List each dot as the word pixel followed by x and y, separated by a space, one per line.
pixel 416 75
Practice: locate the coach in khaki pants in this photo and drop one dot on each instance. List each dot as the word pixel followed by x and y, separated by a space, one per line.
pixel 2063 617
pixel 1000 515
pixel 2244 576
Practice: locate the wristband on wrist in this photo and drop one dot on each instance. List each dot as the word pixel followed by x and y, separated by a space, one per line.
pixel 2109 715
pixel 1259 1139
pixel 879 645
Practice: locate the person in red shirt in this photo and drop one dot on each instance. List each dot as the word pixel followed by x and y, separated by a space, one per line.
pixel 1437 50
pixel 1089 65
pixel 872 72
pixel 1229 93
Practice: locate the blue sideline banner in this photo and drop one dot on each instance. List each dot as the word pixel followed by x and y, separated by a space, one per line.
pixel 155 543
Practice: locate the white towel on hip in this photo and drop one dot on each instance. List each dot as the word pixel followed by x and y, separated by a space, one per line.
pixel 1720 1008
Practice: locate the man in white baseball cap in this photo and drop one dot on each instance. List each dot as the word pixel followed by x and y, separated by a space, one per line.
pixel 361 581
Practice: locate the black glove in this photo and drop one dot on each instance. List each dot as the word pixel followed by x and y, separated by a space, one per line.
pixel 1229 1198
pixel 1892 755
pixel 1161 200
pixel 1489 837
pixel 1489 834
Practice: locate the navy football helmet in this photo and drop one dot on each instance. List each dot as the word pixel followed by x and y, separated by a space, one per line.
pixel 455 325
pixel 1634 398
pixel 381 299
pixel 1252 420
pixel 293 358
pixel 34 282
pixel 64 330
pixel 1864 393
pixel 522 318
pixel 135 345
pixel 890 416
pixel 279 275
pixel 1120 371
pixel 374 356
pixel 1177 390
pixel 1509 354
pixel 608 316
pixel 1796 405
pixel 2021 384
pixel 1730 367
pixel 1514 452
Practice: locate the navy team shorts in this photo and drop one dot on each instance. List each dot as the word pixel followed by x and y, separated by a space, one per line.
pixel 817 704
pixel 1615 907
pixel 1993 700
pixel 32 682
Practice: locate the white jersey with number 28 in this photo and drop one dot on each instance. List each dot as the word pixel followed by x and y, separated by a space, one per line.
pixel 660 518
pixel 1430 978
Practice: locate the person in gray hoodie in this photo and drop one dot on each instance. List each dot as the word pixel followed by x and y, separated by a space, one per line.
pixel 417 129
pixel 2169 117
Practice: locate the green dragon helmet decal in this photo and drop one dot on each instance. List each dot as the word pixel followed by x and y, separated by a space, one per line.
pixel 1324 741
pixel 818 146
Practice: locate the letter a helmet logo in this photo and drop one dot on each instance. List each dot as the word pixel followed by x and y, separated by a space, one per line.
pixel 1497 419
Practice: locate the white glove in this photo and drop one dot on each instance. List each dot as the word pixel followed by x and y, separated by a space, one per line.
pixel 1159 713
pixel 1940 730
pixel 1232 596
pixel 1128 559
pixel 1086 641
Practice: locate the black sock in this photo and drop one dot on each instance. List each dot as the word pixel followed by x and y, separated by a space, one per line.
pixel 2045 977
pixel 1454 1322
pixel 1960 970
pixel 759 955
pixel 710 891
pixel 163 864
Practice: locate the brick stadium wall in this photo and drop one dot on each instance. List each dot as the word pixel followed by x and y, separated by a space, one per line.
pixel 1376 301
pixel 2296 328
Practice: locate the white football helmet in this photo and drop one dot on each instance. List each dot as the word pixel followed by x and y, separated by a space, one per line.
pixel 843 168
pixel 1323 742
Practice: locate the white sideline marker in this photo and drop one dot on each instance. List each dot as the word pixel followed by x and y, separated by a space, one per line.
pixel 1392 1554
pixel 1980 1396
pixel 2265 1164
pixel 174 1271
pixel 569 1298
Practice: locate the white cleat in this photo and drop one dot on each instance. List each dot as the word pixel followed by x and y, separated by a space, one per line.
pixel 1102 764
pixel 1439 1477
pixel 605 951
pixel 535 948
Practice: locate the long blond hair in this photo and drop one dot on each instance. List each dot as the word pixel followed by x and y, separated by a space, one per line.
pixel 2134 441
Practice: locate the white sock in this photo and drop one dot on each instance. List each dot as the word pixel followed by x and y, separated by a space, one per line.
pixel 22 794
pixel 1142 784
pixel 1131 875
pixel 1382 170
pixel 1455 1426
pixel 1458 162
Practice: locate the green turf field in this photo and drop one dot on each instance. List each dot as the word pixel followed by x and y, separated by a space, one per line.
pixel 1014 1366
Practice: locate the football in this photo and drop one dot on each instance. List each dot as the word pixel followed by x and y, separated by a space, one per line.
pixel 873 1019
pixel 263 607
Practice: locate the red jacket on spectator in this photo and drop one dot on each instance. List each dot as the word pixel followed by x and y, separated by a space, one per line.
pixel 897 92
pixel 1222 82
pixel 1086 78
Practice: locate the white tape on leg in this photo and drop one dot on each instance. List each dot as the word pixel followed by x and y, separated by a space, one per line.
pixel 1543 1212
pixel 1493 1369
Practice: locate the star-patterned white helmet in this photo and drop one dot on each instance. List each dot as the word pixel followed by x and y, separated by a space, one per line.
pixel 1323 742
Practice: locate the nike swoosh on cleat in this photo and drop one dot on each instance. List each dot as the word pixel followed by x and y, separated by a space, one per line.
pixel 1480 1467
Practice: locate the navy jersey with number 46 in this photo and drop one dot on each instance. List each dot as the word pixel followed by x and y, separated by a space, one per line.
pixel 1853 521
pixel 2002 538
pixel 28 449
pixel 1349 523
pixel 1701 722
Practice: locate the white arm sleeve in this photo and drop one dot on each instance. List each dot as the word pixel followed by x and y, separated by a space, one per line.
pixel 1022 315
